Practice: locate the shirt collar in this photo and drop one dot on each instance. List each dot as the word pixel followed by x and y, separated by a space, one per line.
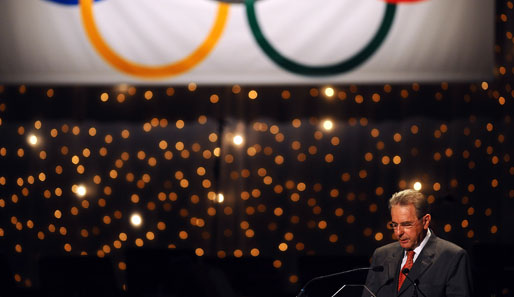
pixel 420 247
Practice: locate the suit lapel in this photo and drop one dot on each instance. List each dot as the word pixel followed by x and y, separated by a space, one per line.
pixel 425 259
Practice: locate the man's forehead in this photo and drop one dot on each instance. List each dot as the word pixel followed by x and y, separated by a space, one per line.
pixel 408 206
pixel 403 211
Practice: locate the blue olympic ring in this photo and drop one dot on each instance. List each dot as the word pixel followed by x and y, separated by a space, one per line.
pixel 68 2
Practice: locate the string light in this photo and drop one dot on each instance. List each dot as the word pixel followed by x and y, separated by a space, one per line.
pixel 32 139
pixel 136 220
pixel 328 125
pixel 238 140
pixel 81 191
pixel 417 186
pixel 220 198
pixel 329 92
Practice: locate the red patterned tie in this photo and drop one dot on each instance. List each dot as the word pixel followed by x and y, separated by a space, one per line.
pixel 408 264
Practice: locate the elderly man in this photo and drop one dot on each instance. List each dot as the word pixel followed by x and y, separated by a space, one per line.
pixel 419 263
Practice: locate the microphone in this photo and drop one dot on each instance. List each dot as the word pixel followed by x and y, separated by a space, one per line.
pixel 374 268
pixel 415 283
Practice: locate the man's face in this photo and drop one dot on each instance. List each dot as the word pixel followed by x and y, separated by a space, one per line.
pixel 410 230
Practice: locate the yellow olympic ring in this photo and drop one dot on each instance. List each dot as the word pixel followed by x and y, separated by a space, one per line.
pixel 200 53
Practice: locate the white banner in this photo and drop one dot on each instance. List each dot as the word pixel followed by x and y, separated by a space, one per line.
pixel 261 42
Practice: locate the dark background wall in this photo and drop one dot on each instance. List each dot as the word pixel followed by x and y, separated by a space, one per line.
pixel 299 200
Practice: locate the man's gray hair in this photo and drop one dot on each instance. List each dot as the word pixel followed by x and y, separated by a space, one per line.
pixel 413 197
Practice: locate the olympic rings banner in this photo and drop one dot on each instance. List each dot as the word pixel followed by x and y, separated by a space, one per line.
pixel 252 42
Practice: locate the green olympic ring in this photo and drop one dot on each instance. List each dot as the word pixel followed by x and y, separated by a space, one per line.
pixel 337 68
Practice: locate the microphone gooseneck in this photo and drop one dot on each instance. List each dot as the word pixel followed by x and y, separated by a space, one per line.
pixel 379 268
pixel 415 283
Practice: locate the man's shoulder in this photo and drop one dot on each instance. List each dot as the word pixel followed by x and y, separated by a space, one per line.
pixel 388 249
pixel 389 246
pixel 443 245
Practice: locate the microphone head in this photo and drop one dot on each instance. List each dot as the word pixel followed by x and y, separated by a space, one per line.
pixel 405 271
pixel 378 268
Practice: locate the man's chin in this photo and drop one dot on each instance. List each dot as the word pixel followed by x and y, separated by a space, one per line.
pixel 405 244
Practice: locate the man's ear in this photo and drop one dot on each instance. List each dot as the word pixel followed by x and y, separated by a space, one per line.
pixel 426 221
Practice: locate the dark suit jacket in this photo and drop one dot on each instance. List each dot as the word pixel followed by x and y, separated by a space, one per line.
pixel 441 270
